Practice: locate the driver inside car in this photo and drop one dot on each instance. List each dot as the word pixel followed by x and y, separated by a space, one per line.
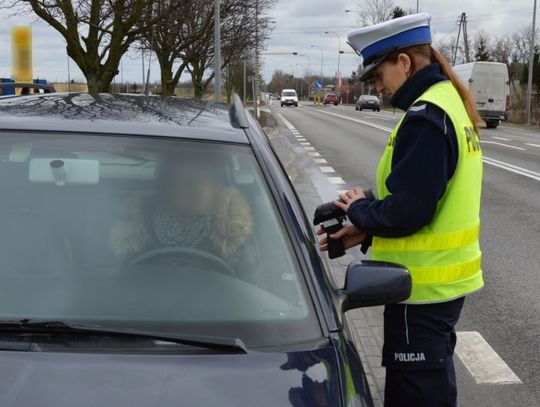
pixel 193 208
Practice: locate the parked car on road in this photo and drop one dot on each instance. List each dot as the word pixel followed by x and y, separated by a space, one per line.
pixel 153 253
pixel 368 102
pixel 490 86
pixel 289 97
pixel 331 98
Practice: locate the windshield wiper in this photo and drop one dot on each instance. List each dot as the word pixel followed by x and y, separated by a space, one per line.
pixel 224 344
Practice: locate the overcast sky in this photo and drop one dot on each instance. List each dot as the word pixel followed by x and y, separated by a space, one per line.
pixel 299 24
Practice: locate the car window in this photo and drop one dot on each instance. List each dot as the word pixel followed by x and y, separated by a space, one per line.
pixel 154 234
pixel 289 93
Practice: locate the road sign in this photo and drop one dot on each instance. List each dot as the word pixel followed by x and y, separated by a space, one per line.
pixel 318 85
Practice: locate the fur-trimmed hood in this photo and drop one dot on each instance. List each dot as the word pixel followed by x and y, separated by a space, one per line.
pixel 231 225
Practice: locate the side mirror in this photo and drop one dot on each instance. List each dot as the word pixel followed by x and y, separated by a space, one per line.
pixel 371 283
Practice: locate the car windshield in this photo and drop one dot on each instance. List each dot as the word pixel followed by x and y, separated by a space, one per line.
pixel 158 235
pixel 370 98
pixel 289 93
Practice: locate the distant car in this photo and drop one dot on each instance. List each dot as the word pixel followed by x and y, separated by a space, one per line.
pixel 368 102
pixel 289 97
pixel 331 98
pixel 154 253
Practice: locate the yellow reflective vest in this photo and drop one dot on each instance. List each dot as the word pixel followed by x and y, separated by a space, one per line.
pixel 444 256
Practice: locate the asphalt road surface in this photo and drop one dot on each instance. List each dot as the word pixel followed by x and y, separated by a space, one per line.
pixel 498 361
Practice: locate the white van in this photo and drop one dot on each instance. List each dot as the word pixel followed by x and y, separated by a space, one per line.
pixel 289 97
pixel 489 84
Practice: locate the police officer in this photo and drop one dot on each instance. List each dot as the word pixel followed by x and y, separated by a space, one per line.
pixel 426 216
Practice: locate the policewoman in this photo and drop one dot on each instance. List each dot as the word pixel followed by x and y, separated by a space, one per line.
pixel 426 215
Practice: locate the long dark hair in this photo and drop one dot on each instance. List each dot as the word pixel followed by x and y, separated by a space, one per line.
pixel 428 52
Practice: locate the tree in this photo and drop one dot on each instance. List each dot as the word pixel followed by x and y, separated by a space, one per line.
pixel 502 50
pixel 524 79
pixel 398 12
pixel 375 11
pixel 173 32
pixel 97 32
pixel 281 80
pixel 481 45
pixel 184 38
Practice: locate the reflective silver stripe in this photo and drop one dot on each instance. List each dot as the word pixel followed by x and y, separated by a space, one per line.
pixel 406 325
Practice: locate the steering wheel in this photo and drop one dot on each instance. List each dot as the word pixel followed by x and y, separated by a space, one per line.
pixel 182 253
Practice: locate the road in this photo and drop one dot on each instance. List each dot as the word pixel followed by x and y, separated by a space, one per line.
pixel 499 362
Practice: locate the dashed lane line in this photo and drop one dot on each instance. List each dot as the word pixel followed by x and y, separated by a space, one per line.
pixel 336 180
pixel 501 138
pixel 532 145
pixel 482 362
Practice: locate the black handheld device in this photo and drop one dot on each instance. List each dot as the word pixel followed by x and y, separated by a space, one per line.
pixel 331 218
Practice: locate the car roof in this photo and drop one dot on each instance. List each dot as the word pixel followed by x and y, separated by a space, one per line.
pixel 122 114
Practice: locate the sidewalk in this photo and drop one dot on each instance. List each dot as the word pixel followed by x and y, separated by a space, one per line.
pixel 366 323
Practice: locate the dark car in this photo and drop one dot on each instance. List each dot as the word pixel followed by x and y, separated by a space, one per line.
pixel 331 99
pixel 368 102
pixel 154 253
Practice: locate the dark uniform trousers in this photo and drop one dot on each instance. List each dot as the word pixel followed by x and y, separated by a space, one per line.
pixel 419 342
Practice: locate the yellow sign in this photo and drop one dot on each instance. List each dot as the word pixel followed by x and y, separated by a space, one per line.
pixel 21 48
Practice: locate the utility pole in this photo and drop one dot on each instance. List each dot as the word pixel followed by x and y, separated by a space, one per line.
pixel 257 64
pixel 457 40
pixel 417 6
pixel 217 50
pixel 465 38
pixel 245 81
pixel 531 67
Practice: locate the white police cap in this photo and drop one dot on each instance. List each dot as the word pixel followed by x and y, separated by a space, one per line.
pixel 375 42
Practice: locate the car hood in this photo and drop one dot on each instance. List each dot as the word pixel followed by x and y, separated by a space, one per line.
pixel 255 379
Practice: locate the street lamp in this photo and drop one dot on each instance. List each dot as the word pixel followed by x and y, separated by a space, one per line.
pixel 322 57
pixel 338 57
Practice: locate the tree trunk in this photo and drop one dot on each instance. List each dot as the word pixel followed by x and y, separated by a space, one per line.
pixel 197 80
pixel 167 83
pixel 97 83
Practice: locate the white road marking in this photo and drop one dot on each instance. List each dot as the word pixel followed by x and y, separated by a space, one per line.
pixel 512 168
pixel 301 139
pixel 532 145
pixel 357 121
pixel 501 138
pixel 309 148
pixel 502 144
pixel 320 161
pixel 505 166
pixel 327 170
pixel 285 121
pixel 336 180
pixel 482 362
pixel 315 154
pixel 305 143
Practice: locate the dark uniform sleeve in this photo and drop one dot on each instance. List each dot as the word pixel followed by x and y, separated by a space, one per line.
pixel 425 158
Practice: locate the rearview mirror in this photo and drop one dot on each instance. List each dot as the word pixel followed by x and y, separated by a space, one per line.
pixel 371 283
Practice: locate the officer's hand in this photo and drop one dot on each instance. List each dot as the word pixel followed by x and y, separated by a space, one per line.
pixel 347 198
pixel 350 235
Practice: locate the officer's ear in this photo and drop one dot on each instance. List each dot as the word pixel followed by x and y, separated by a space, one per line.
pixel 404 61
